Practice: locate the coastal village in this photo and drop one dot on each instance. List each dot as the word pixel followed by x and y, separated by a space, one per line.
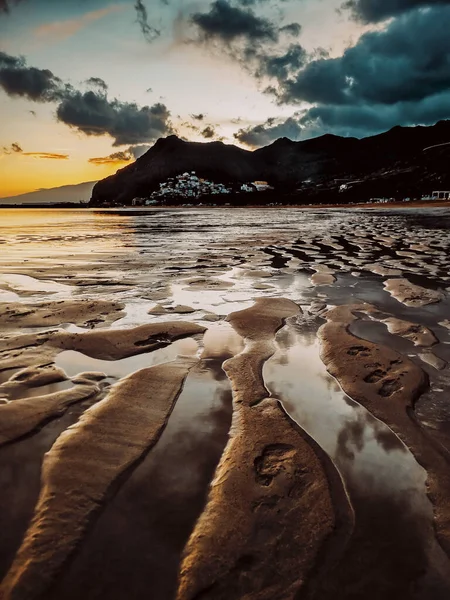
pixel 189 186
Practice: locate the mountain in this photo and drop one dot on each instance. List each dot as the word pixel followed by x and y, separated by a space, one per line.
pixel 77 193
pixel 404 161
pixel 171 156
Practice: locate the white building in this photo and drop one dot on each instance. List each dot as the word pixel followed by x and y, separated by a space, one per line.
pixel 438 195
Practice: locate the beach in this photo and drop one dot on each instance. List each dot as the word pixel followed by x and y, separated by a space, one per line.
pixel 225 403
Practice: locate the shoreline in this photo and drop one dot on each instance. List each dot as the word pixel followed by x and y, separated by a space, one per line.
pixel 363 205
pixel 373 205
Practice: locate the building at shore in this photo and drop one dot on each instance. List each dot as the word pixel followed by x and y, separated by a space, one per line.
pixel 438 195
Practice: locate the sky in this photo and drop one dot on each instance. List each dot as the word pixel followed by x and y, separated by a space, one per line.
pixel 87 86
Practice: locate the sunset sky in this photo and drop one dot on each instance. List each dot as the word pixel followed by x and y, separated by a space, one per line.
pixel 88 85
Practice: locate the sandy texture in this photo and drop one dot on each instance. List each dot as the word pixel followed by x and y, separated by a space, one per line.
pixel 104 344
pixel 323 275
pixel 270 509
pixel 410 294
pixel 434 361
pixel 35 376
pixel 379 269
pixel 260 322
pixel 258 326
pixel 164 310
pixel 79 312
pixel 388 385
pixel 82 466
pixel 268 514
pixel 19 417
pixel 121 343
pixel 418 334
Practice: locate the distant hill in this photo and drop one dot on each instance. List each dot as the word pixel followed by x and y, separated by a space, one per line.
pixel 392 164
pixel 80 192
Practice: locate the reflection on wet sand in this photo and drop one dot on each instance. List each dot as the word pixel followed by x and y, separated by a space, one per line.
pixel 143 529
pixel 73 362
pixel 393 515
pixel 20 480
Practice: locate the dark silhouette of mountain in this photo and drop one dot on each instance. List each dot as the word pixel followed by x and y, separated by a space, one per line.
pixel 172 156
pixel 405 161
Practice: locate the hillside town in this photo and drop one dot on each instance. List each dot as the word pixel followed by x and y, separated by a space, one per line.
pixel 188 186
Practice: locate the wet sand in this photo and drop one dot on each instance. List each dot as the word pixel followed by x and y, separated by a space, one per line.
pixel 225 405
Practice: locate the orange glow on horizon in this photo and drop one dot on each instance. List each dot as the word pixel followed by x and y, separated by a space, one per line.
pixel 21 175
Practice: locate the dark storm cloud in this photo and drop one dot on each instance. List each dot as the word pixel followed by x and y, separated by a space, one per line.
pixel 208 132
pixel 367 119
pixel 17 79
pixel 228 23
pixel 373 11
pixel 268 132
pixel 94 114
pixel 397 75
pixel 283 65
pixel 90 112
pixel 407 61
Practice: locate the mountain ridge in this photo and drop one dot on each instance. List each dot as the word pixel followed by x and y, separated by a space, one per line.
pixel 307 169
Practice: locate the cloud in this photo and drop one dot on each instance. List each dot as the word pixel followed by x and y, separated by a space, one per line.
pixel 386 66
pixel 15 148
pixel 47 155
pixel 367 119
pixel 122 156
pixel 227 23
pixel 139 150
pixel 149 32
pixel 373 11
pixel 94 114
pixel 208 132
pixel 199 117
pixel 97 82
pixel 386 78
pixel 61 30
pixel 268 132
pixel 91 112
pixel 17 79
pixel 281 66
pixel 114 158
pixel 293 29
